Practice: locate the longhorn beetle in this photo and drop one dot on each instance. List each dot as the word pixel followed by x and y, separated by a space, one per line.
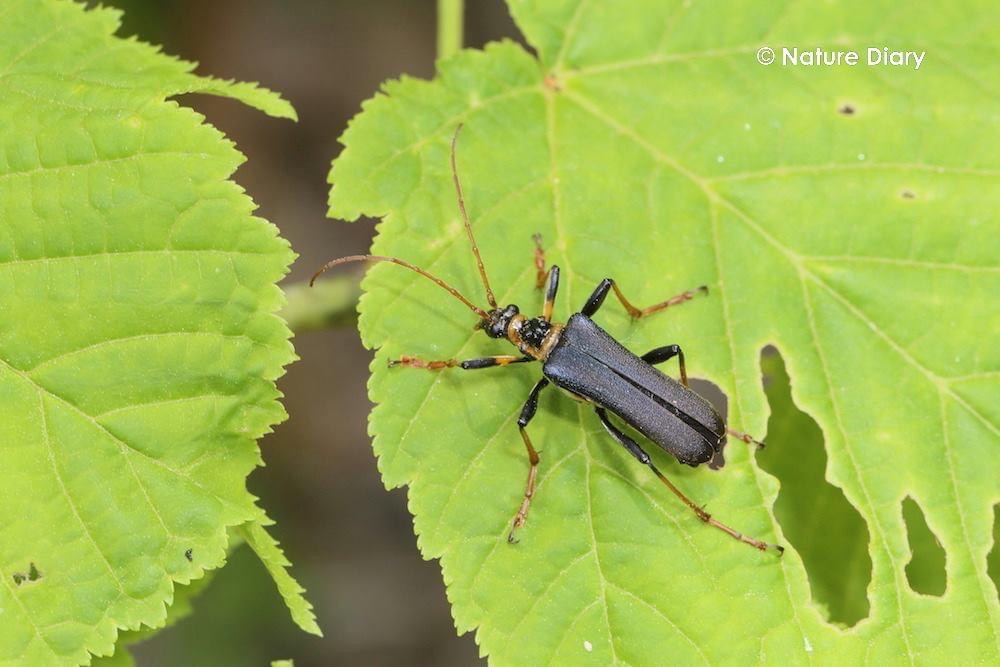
pixel 582 359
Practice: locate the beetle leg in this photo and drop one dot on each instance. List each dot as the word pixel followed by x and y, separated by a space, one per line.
pixel 550 293
pixel 745 438
pixel 661 354
pixel 633 447
pixel 676 300
pixel 628 443
pixel 596 300
pixel 527 413
pixel 543 277
pixel 540 271
pixel 468 364
pixel 414 362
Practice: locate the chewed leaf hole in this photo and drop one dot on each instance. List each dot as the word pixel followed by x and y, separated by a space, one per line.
pixel 828 533
pixel 846 110
pixel 993 558
pixel 31 575
pixel 926 570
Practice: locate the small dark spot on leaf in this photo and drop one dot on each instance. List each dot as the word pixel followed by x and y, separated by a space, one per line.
pixel 908 194
pixel 189 554
pixel 32 575
pixel 846 110
pixel 552 83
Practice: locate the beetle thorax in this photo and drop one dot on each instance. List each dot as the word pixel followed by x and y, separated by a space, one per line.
pixel 534 331
pixel 534 337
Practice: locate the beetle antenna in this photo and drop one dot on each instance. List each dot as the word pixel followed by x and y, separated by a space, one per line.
pixel 465 218
pixel 395 260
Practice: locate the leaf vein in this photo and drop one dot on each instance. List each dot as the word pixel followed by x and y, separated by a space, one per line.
pixel 982 577
pixel 661 614
pixel 896 568
pixel 42 169
pixel 155 336
pixel 124 445
pixel 47 439
pixel 738 396
pixel 802 169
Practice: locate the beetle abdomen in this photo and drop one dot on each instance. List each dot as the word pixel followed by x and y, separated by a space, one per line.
pixel 588 362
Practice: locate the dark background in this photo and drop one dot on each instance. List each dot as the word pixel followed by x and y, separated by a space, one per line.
pixel 351 541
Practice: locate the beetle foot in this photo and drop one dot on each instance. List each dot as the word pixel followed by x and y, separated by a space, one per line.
pixel 745 438
pixel 416 362
pixel 519 520
pixel 540 272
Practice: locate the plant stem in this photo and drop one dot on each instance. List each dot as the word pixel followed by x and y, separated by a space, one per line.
pixel 330 302
pixel 449 27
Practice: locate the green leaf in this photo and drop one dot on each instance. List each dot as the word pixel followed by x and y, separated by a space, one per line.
pixel 649 145
pixel 181 607
pixel 273 558
pixel 138 344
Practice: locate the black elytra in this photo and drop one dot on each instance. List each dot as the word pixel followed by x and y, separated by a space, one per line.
pixel 588 363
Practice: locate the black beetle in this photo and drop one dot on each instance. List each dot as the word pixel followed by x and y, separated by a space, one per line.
pixel 585 361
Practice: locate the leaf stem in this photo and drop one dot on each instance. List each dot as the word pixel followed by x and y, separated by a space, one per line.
pixel 449 27
pixel 330 302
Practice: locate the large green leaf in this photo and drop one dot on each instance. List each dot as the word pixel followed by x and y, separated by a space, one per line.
pixel 646 143
pixel 138 344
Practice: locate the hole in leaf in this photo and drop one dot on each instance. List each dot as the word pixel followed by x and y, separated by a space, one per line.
pixel 993 558
pixel 846 109
pixel 925 571
pixel 31 575
pixel 827 531
pixel 189 554
pixel 711 393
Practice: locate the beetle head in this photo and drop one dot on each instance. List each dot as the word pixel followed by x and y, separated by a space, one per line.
pixel 497 321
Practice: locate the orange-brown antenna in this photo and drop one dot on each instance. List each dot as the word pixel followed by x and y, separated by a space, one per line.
pixel 378 258
pixel 465 218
